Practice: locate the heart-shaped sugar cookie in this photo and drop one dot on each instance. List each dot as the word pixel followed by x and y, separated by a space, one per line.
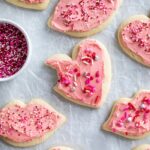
pixel 61 148
pixel 81 18
pixel 134 38
pixel 84 79
pixel 130 118
pixel 24 125
pixel 30 4
pixel 142 147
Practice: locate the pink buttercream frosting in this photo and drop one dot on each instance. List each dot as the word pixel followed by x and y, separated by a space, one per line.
pixel 132 118
pixel 136 37
pixel 82 79
pixel 82 15
pixel 23 124
pixel 33 1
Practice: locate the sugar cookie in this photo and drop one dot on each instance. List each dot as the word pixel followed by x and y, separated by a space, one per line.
pixel 84 79
pixel 134 38
pixel 130 118
pixel 24 125
pixel 30 4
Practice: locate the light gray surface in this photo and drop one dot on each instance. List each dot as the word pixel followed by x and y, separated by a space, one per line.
pixel 82 131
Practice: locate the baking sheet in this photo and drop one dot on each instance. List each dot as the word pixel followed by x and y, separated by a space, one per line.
pixel 82 130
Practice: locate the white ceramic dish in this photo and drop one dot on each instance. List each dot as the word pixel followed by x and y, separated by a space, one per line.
pixel 28 44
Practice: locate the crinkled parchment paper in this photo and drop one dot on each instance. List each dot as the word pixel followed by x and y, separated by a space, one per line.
pixel 82 130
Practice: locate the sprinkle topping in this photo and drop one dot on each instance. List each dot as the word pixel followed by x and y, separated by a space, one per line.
pixel 81 79
pixel 82 15
pixel 13 50
pixel 21 124
pixel 135 36
pixel 132 118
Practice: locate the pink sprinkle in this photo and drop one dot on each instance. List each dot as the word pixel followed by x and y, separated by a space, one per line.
pixel 97 81
pixel 13 50
pixel 87 81
pixel 97 74
pixel 91 78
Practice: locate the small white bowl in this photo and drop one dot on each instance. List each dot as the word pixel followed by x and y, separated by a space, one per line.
pixel 29 49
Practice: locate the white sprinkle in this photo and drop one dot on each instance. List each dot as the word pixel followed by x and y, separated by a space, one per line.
pixel 85 57
pixel 142 106
pixel 97 58
pixel 75 84
pixel 129 119
pixel 85 62
pixel 87 91
pixel 69 74
pixel 72 89
pixel 75 78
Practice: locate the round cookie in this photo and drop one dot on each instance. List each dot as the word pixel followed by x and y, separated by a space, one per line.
pixel 85 78
pixel 30 4
pixel 134 38
pixel 24 125
pixel 82 18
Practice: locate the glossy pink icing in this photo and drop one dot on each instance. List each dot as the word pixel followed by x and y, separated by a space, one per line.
pixel 132 118
pixel 23 124
pixel 82 79
pixel 136 37
pixel 82 15
pixel 33 1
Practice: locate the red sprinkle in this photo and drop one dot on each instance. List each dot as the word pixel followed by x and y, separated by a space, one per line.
pixel 13 50
pixel 97 74
pixel 130 106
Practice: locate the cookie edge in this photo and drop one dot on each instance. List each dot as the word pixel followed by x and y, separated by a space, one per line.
pixel 124 48
pixel 35 141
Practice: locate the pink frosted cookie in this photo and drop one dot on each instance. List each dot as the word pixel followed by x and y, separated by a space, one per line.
pixel 142 147
pixel 24 125
pixel 130 118
pixel 134 38
pixel 30 4
pixel 81 18
pixel 61 148
pixel 84 79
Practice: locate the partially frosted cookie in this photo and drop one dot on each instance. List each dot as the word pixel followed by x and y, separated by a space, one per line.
pixel 84 79
pixel 134 38
pixel 130 118
pixel 24 125
pixel 81 18
pixel 142 147
pixel 30 4
pixel 61 148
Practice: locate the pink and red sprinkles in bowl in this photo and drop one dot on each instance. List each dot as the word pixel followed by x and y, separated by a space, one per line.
pixel 13 49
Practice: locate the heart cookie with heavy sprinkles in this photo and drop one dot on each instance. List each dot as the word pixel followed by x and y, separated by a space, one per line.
pixel 84 79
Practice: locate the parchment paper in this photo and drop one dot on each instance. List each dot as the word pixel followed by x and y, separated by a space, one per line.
pixel 82 130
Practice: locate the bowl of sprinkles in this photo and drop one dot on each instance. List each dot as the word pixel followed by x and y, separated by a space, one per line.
pixel 14 49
